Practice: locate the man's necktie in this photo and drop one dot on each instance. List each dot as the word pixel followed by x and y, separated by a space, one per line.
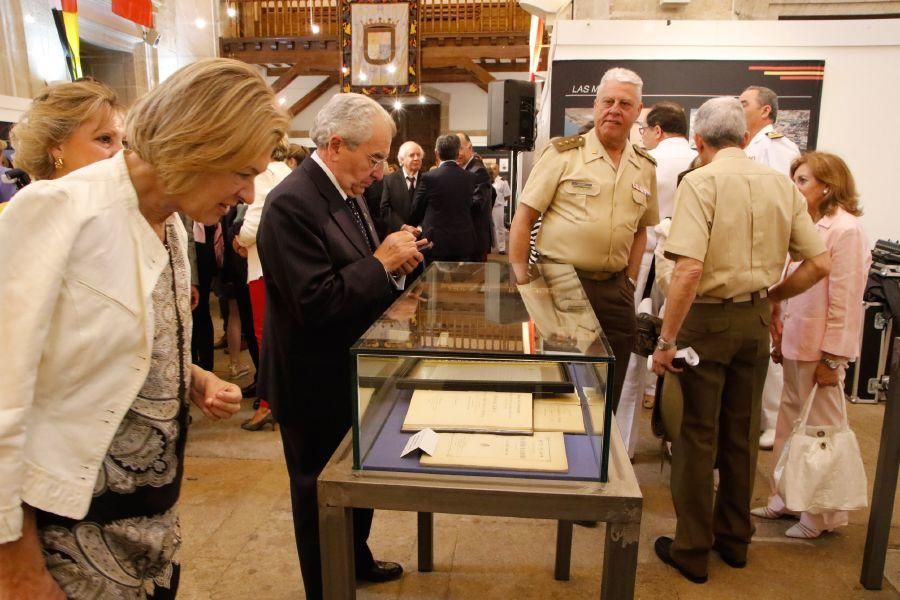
pixel 411 182
pixel 357 218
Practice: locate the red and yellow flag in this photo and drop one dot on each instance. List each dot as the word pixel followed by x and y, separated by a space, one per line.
pixel 136 11
pixel 70 19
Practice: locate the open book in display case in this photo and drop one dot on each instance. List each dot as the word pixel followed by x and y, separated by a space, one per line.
pixel 507 363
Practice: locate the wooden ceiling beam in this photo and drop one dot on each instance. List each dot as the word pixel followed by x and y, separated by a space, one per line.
pixel 313 95
pixel 474 52
pixel 286 78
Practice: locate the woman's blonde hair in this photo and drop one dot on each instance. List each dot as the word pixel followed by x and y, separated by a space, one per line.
pixel 53 116
pixel 212 116
pixel 831 170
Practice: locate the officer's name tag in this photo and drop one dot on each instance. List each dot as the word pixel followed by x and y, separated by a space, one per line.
pixel 641 189
pixel 581 185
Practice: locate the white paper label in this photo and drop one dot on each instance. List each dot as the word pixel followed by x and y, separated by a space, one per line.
pixel 425 440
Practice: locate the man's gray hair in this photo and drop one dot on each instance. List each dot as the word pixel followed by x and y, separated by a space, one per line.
pixel 622 75
pixel 406 148
pixel 766 97
pixel 447 147
pixel 349 116
pixel 720 122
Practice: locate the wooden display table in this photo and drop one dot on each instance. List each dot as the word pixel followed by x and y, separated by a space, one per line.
pixel 618 503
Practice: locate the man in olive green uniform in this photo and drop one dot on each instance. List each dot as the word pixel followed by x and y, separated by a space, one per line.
pixel 734 222
pixel 597 194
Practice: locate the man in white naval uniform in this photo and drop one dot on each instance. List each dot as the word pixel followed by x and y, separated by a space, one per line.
pixel 775 150
pixel 664 134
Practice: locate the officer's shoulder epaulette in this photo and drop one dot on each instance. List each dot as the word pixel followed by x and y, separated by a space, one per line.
pixel 642 152
pixel 563 144
pixel 774 135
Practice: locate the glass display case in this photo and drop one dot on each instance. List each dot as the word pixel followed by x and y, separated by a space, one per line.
pixel 506 363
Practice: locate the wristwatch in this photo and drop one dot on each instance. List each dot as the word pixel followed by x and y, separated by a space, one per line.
pixel 831 364
pixel 662 344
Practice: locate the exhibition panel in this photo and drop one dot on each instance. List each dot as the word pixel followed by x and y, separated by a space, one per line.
pixel 486 369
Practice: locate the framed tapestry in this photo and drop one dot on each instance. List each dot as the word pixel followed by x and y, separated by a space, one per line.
pixel 380 52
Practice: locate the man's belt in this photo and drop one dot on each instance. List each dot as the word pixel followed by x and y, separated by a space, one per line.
pixel 751 297
pixel 597 275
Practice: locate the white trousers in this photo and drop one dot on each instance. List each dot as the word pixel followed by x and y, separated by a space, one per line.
pixel 771 396
pixel 636 376
pixel 500 232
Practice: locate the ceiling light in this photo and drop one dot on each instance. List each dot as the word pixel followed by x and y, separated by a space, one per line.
pixel 398 104
pixel 363 76
pixel 200 23
pixel 315 28
pixel 231 12
pixel 422 99
pixel 345 70
pixel 391 68
pixel 282 100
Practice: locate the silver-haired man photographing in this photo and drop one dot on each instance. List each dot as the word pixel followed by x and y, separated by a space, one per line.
pixel 328 278
pixel 735 220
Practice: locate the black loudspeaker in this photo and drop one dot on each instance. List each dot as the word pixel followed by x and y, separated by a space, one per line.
pixel 510 115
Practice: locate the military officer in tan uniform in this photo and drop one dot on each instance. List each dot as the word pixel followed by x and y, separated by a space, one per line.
pixel 735 220
pixel 597 195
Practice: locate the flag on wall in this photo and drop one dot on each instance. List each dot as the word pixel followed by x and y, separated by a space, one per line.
pixel 137 11
pixel 66 21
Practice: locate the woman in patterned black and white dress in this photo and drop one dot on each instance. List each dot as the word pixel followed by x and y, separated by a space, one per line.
pixel 95 321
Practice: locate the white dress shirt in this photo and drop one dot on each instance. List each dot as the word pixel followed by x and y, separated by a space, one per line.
pixel 777 153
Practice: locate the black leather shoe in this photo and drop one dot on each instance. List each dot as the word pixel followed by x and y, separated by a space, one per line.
pixel 727 558
pixel 380 571
pixel 663 547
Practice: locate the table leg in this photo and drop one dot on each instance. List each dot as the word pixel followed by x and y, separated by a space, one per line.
pixel 426 542
pixel 620 560
pixel 336 539
pixel 563 550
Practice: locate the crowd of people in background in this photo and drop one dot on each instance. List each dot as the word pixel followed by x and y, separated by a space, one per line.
pixel 118 227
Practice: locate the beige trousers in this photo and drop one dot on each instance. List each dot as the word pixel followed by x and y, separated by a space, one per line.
pixel 826 410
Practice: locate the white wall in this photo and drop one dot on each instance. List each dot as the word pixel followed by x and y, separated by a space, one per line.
pixel 858 120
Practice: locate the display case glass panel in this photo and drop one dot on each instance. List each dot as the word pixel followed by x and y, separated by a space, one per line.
pixel 507 363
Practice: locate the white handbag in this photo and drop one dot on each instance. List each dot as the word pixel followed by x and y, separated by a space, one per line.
pixel 820 467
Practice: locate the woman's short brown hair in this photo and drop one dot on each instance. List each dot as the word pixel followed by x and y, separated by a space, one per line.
pixel 831 170
pixel 53 116
pixel 215 115
pixel 297 153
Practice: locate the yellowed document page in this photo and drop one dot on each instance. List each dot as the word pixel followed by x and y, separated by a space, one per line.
pixel 544 451
pixel 502 412
pixel 565 416
pixel 474 370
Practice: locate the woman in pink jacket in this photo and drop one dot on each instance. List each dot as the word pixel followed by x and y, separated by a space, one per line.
pixel 820 328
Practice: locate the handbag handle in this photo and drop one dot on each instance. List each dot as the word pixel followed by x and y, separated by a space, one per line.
pixel 807 407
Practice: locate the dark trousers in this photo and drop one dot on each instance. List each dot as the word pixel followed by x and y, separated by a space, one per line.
pixel 202 332
pixel 720 427
pixel 305 460
pixel 613 303
pixel 248 330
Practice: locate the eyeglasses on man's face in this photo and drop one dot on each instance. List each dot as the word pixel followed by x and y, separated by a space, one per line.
pixel 375 161
pixel 642 127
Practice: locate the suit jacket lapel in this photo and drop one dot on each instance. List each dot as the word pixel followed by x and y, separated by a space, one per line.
pixel 336 206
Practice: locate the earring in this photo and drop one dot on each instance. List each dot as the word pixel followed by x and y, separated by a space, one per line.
pixel 825 192
pixel 58 162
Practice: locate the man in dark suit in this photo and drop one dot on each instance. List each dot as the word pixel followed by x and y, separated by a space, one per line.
pixel 484 195
pixel 327 279
pixel 443 206
pixel 399 188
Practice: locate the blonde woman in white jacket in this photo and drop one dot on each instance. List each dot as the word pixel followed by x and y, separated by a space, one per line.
pixel 95 334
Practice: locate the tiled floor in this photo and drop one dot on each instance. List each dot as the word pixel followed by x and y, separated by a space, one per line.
pixel 238 537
